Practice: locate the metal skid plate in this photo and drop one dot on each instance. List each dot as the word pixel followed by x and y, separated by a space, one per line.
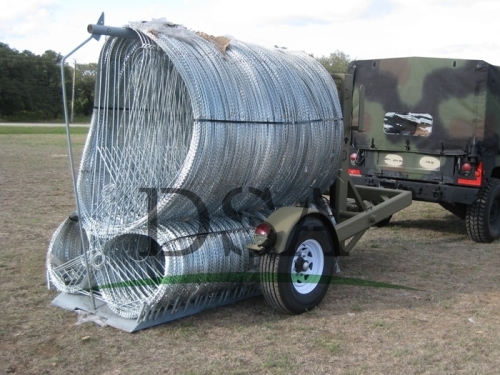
pixel 152 318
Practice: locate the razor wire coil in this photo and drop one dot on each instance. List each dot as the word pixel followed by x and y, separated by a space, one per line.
pixel 176 116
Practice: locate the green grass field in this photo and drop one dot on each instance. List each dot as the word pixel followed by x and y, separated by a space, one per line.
pixel 447 324
pixel 42 130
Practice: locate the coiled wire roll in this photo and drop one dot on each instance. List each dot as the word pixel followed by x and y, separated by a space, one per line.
pixel 183 260
pixel 172 114
pixel 204 144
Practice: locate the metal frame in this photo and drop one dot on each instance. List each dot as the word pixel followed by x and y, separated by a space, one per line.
pixel 150 318
pixel 70 149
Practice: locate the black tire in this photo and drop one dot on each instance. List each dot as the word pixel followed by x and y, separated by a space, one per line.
pixel 483 216
pixel 457 209
pixel 297 292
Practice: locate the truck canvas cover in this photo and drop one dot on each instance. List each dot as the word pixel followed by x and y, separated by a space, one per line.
pixel 428 105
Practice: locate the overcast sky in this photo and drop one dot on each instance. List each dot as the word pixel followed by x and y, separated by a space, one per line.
pixel 363 29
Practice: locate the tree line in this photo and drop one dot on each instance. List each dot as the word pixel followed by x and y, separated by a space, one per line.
pixel 30 85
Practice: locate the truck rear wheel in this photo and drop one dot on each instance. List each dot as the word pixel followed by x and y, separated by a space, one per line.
pixel 483 216
pixel 296 280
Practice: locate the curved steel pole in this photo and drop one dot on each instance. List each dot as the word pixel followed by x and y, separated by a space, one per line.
pixel 72 167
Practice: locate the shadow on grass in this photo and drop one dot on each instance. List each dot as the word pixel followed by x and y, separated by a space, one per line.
pixel 339 280
pixel 448 224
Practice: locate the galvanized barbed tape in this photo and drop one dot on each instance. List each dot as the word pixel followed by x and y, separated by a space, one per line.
pixel 186 263
pixel 65 264
pixel 194 126
pixel 184 116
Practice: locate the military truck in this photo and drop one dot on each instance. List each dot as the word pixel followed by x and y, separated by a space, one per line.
pixel 431 126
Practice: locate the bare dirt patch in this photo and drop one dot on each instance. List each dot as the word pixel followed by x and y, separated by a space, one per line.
pixel 449 324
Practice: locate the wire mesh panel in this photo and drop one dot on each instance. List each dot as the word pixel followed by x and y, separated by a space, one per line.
pixel 198 144
pixel 66 268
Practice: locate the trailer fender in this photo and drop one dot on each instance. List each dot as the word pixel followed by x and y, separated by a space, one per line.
pixel 285 219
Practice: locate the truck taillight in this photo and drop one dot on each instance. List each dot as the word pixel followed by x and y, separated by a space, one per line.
pixel 264 235
pixel 466 168
pixel 478 176
pixel 354 171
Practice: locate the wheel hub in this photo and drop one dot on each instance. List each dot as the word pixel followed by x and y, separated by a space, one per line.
pixel 301 265
pixel 307 266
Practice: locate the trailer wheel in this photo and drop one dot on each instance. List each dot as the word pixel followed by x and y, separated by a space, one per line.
pixel 483 216
pixel 296 280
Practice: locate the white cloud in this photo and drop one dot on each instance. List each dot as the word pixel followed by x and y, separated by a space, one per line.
pixel 16 10
pixel 30 24
pixel 361 28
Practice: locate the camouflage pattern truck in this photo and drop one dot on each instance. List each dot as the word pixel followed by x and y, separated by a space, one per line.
pixel 431 126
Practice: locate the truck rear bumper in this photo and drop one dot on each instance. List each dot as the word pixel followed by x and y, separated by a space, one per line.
pixel 423 191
